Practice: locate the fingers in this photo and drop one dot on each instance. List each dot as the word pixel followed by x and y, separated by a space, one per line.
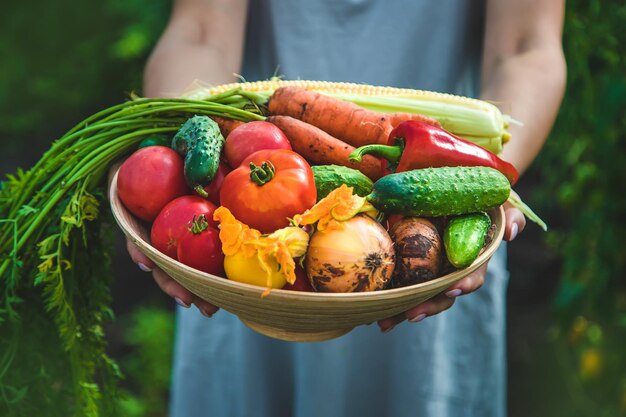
pixel 514 222
pixel 181 295
pixel 439 303
pixel 168 285
pixel 143 262
pixel 418 313
pixel 469 284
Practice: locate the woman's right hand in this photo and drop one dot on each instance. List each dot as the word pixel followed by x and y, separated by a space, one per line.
pixel 180 294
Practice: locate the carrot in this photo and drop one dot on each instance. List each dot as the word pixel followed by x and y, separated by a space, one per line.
pixel 226 125
pixel 346 121
pixel 419 251
pixel 320 148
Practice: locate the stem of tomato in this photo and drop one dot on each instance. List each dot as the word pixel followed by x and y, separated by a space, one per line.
pixel 262 174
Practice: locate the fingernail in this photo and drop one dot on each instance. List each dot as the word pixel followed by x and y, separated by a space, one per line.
pixel 206 313
pixel 454 293
pixel 514 231
pixel 144 268
pixel 418 318
pixel 181 302
pixel 388 329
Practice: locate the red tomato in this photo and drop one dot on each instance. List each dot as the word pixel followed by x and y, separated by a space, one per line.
pixel 213 188
pixel 149 179
pixel 170 226
pixel 302 282
pixel 250 137
pixel 287 191
pixel 202 249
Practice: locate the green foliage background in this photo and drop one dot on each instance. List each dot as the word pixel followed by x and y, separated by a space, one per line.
pixel 64 60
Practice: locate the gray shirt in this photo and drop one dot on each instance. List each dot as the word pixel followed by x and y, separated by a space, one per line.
pixel 425 44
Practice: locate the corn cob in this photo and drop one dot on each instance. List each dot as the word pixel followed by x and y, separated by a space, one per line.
pixel 475 120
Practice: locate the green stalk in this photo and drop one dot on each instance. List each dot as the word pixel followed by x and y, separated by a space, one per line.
pixel 76 147
pixel 99 156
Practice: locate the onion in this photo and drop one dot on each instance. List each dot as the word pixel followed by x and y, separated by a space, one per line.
pixel 356 257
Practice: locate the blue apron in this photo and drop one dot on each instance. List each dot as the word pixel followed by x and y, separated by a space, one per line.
pixel 451 364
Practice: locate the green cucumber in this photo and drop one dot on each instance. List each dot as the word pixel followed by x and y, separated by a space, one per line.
pixel 464 237
pixel 200 142
pixel 442 191
pixel 329 177
pixel 155 140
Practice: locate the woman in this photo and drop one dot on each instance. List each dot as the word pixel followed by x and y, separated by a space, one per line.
pixel 507 51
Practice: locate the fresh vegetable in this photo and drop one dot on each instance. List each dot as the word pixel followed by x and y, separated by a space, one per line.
pixel 200 142
pixel 250 137
pixel 257 259
pixel 301 283
pixel 249 270
pixel 476 120
pixel 440 191
pixel 320 148
pixel 464 237
pixel 226 124
pixel 330 177
pixel 414 145
pixel 149 179
pixel 269 188
pixel 55 252
pixel 341 119
pixel 156 140
pixel 330 212
pixel 200 247
pixel 213 188
pixel 358 256
pixel 419 250
pixel 170 226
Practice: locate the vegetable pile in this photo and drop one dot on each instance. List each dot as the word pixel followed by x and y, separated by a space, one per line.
pixel 299 194
pixel 268 189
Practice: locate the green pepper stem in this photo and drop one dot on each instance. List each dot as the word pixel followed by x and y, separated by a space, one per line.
pixel 388 152
pixel 262 174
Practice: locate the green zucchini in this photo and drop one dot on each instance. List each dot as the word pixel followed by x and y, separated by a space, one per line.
pixel 442 191
pixel 464 236
pixel 329 177
pixel 200 142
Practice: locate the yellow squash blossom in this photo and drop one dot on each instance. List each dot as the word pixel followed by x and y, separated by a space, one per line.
pixel 339 205
pixel 254 258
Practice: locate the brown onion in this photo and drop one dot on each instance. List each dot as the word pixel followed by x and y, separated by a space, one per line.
pixel 357 257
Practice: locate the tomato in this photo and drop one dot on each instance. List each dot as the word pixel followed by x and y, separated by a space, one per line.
pixel 280 186
pixel 250 137
pixel 248 270
pixel 149 179
pixel 201 248
pixel 213 188
pixel 302 282
pixel 170 226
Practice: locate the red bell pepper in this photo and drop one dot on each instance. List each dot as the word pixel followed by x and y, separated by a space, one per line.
pixel 415 145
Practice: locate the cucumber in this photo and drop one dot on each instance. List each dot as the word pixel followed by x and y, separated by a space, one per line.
pixel 442 191
pixel 464 236
pixel 155 140
pixel 200 142
pixel 329 177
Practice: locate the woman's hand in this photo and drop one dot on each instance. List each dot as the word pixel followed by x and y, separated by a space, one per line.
pixel 514 224
pixel 180 294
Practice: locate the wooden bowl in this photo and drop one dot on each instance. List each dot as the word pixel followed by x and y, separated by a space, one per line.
pixel 293 315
